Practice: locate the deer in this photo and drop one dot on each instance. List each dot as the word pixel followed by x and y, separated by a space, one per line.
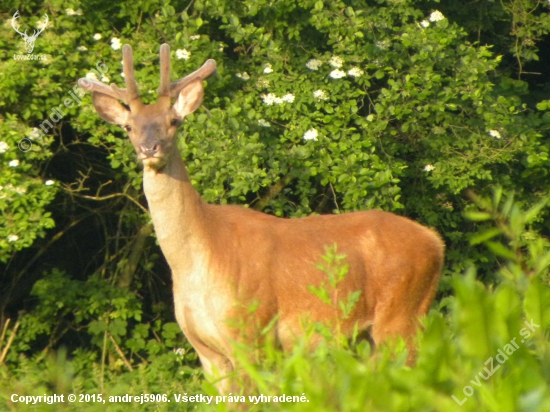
pixel 226 257
pixel 29 40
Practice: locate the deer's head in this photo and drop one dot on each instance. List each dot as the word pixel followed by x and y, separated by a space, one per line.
pixel 151 128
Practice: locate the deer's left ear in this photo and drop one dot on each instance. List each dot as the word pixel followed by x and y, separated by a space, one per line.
pixel 189 99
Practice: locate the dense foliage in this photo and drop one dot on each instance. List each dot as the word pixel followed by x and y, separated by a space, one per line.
pixel 426 109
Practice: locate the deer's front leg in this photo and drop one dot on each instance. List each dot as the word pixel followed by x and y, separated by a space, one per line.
pixel 216 367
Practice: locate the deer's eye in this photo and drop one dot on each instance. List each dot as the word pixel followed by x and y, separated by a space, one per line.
pixel 127 127
pixel 175 122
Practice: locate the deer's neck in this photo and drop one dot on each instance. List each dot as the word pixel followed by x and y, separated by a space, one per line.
pixel 178 214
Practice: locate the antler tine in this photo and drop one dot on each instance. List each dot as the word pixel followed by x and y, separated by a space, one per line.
pixel 164 88
pixel 208 69
pixel 129 94
pixel 132 91
pixel 99 87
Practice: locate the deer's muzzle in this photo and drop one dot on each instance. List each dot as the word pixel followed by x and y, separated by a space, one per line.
pixel 149 150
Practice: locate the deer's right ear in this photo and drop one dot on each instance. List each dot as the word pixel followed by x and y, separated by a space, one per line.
pixel 109 109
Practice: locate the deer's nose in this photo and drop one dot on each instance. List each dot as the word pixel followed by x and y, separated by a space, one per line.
pixel 149 150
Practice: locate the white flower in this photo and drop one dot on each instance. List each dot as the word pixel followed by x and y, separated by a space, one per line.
pixel 494 133
pixel 264 123
pixel 270 99
pixel 314 64
pixel 424 23
pixel 49 182
pixel 320 95
pixel 183 54
pixel 243 75
pixel 81 48
pixel 336 61
pixel 13 238
pixel 91 75
pixel 104 79
pixel 289 98
pixel 35 133
pixel 115 43
pixel 337 74
pixel 71 12
pixel 262 83
pixel 311 134
pixel 97 36
pixel 4 147
pixel 180 352
pixel 14 163
pixel 221 48
pixel 268 69
pixel 429 168
pixel 355 72
pixel 195 37
pixel 20 190
pixel 436 16
pixel 122 74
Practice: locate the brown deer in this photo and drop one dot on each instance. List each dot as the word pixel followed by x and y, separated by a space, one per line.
pixel 225 258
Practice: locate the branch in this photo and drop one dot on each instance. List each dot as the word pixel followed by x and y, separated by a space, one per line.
pixel 4 330
pixel 10 340
pixel 101 198
pixel 129 269
pixel 120 353
pixel 273 191
pixel 334 196
pixel 188 6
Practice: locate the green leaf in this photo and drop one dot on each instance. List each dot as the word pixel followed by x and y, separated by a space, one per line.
pixel 477 216
pixel 537 302
pixel 534 211
pixel 481 237
pixel 501 250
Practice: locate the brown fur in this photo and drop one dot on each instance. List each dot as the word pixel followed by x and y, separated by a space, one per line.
pixel 224 258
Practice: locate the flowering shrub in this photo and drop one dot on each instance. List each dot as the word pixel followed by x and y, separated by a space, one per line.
pixel 318 107
pixel 24 190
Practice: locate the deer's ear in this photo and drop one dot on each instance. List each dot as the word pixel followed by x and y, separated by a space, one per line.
pixel 109 109
pixel 189 99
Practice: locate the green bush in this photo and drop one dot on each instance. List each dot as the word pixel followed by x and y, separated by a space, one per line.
pixel 318 107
